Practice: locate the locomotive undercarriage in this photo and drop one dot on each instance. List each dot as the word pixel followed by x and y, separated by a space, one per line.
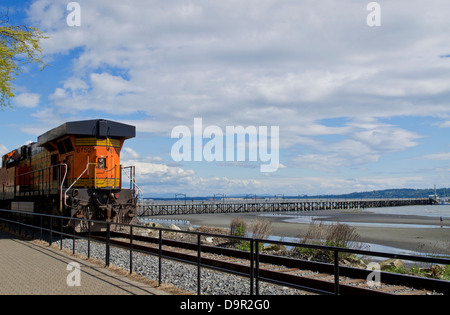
pixel 109 205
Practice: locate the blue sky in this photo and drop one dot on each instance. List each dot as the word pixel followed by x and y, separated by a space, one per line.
pixel 359 108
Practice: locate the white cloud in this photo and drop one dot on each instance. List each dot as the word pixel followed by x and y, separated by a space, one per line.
pixel 47 117
pixel 322 162
pixel 318 59
pixel 148 172
pixel 443 124
pixel 129 154
pixel 384 137
pixel 28 100
pixel 366 141
pixel 445 156
pixel 110 86
pixel 158 178
pixel 3 150
pixel 292 64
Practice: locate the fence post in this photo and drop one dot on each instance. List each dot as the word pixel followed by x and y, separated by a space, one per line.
pixel 61 231
pixel 160 260
pixel 252 267
pixel 41 227
pixel 257 267
pixel 336 272
pixel 131 249
pixel 89 239
pixel 51 232
pixel 199 251
pixel 108 237
pixel 73 242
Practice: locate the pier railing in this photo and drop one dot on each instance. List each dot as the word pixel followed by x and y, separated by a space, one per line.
pixel 261 205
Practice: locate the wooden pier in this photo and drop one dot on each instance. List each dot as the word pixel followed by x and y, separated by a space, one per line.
pixel 205 207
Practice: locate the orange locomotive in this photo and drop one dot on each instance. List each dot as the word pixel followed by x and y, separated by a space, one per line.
pixel 73 170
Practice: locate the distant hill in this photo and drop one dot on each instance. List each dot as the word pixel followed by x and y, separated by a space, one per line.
pixel 381 194
pixel 393 193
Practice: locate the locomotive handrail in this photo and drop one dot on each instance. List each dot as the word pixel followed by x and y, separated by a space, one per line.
pixel 65 193
pixel 133 181
pixel 46 168
pixel 62 184
pixel 41 169
pixel 95 172
pixel 110 170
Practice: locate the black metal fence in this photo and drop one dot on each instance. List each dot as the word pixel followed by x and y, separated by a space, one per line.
pixel 47 227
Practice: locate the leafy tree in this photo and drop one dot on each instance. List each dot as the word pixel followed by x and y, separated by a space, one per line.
pixel 19 45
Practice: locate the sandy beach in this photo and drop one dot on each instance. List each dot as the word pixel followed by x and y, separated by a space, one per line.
pixel 408 232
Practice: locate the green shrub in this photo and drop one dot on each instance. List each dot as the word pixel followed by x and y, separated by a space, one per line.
pixel 335 235
pixel 257 228
pixel 238 227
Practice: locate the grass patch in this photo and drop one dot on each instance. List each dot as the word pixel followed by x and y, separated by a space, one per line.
pixel 441 272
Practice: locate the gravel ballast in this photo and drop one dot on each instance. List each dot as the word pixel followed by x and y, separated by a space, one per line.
pixel 180 275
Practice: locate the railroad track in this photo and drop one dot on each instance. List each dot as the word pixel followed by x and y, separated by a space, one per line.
pixel 309 276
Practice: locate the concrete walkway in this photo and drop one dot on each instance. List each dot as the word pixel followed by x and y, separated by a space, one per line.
pixel 29 268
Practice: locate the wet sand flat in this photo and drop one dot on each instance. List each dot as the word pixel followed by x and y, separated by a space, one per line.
pixel 417 233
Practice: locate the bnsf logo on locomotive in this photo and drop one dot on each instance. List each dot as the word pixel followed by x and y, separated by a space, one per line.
pixel 73 170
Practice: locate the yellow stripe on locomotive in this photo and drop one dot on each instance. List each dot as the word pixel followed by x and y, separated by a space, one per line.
pixel 97 142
